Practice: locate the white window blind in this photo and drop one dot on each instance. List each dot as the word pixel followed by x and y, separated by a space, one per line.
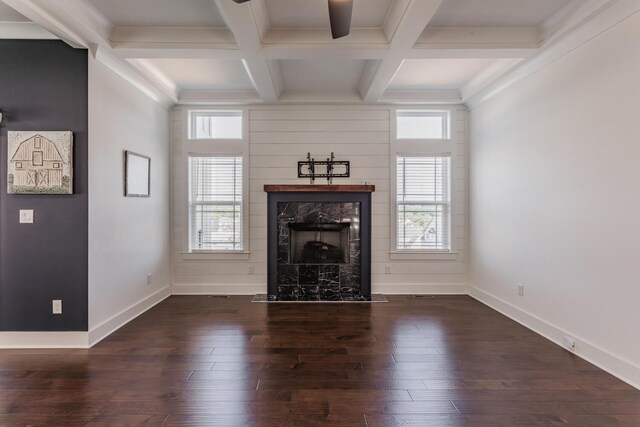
pixel 215 203
pixel 423 203
pixel 411 124
pixel 215 125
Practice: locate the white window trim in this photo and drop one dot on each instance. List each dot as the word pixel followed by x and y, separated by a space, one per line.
pixel 212 148
pixel 422 148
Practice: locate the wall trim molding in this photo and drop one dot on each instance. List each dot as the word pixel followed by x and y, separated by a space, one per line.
pixel 219 289
pixel 13 340
pixel 109 326
pixel 419 288
pixel 603 359
pixel 381 288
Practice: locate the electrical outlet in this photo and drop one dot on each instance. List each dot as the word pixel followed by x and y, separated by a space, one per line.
pixel 26 216
pixel 387 269
pixel 569 343
pixel 520 289
pixel 149 279
pixel 57 306
pixel 251 269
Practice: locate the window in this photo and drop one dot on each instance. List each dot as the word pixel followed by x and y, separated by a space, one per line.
pixel 215 203
pixel 422 124
pixel 215 125
pixel 36 158
pixel 423 203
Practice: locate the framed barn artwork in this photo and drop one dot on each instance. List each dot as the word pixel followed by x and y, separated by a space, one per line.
pixel 40 163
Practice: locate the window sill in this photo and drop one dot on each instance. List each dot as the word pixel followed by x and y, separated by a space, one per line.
pixel 423 255
pixel 216 256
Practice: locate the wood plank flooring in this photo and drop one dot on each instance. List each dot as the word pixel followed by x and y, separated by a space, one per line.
pixel 211 361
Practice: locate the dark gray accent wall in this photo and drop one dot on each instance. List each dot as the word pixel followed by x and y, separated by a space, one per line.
pixel 43 87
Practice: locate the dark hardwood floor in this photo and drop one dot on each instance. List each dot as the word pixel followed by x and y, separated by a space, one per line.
pixel 443 361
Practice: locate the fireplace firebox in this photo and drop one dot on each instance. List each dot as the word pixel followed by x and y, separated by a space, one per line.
pixel 319 242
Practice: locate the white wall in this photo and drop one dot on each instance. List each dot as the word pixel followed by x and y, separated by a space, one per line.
pixel 554 199
pixel 128 237
pixel 278 138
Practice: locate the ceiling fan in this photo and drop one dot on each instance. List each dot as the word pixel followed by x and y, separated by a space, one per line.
pixel 339 16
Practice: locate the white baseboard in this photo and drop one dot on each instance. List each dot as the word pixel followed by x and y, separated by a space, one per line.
pixel 605 360
pixel 114 323
pixel 44 340
pixel 385 288
pixel 219 289
pixel 420 288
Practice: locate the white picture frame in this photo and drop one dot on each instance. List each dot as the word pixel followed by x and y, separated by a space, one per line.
pixel 137 180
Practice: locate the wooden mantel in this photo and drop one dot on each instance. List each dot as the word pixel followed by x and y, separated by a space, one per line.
pixel 319 188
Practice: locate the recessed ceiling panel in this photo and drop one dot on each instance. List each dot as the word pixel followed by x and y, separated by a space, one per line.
pixel 7 14
pixel 315 13
pixel 495 13
pixel 160 13
pixel 438 73
pixel 217 74
pixel 326 76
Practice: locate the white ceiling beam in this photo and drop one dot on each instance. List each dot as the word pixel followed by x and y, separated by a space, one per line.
pixel 221 38
pixel 212 97
pixel 166 97
pixel 578 23
pixel 164 42
pixel 434 96
pixel 24 31
pixel 44 14
pixel 170 50
pixel 311 37
pixel 410 26
pixel 310 97
pixel 483 37
pixel 328 51
pixel 473 53
pixel 248 32
pixel 496 70
pixel 571 17
pixel 157 76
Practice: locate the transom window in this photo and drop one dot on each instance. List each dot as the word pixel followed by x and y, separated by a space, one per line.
pixel 215 125
pixel 423 203
pixel 215 203
pixel 412 124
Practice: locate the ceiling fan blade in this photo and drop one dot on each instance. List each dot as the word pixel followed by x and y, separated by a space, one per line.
pixel 340 17
pixel 240 1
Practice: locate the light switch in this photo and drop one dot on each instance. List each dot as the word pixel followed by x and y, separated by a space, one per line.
pixel 26 216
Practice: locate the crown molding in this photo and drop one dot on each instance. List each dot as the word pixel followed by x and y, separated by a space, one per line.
pixel 586 23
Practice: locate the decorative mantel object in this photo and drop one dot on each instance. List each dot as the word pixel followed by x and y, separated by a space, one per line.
pixel 319 242
pixel 40 163
pixel 137 178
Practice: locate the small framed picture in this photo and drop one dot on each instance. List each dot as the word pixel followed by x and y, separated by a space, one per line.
pixel 137 176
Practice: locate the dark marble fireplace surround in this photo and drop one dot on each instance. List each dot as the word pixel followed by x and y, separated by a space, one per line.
pixel 334 223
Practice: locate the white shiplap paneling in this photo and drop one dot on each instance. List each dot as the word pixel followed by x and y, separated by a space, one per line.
pixel 281 136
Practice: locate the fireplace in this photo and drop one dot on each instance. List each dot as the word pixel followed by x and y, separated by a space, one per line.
pixel 319 243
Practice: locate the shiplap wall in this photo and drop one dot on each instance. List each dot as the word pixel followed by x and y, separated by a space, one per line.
pixel 278 137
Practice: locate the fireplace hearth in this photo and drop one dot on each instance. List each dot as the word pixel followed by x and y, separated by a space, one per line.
pixel 319 244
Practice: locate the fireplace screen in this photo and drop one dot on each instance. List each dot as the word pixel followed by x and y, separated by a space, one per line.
pixel 323 243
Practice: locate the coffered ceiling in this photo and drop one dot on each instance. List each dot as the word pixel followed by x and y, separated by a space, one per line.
pixel 281 51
